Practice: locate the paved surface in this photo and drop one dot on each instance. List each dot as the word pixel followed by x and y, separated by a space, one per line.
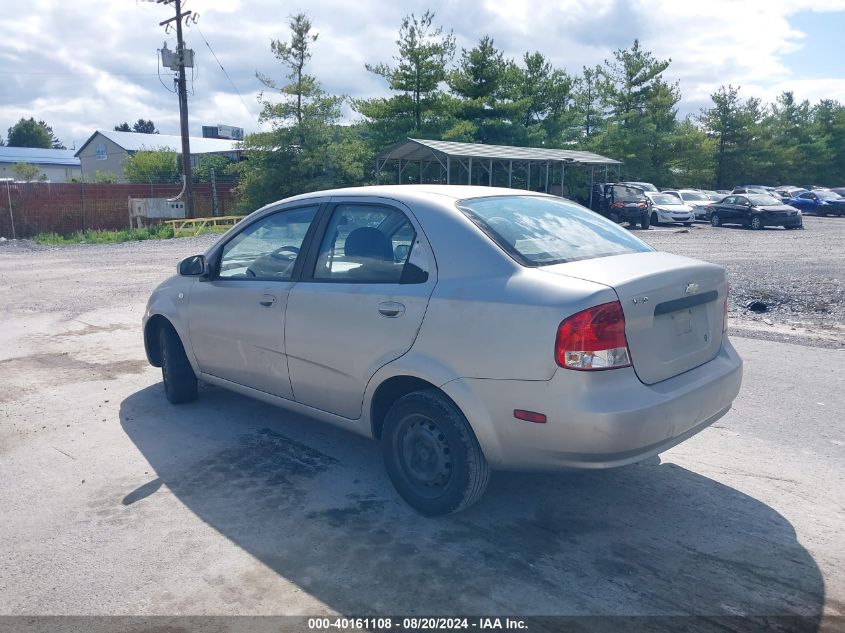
pixel 114 502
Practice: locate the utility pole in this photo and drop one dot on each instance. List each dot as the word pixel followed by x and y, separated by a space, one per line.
pixel 183 98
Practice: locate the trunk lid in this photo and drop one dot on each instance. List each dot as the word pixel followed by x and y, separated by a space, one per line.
pixel 672 305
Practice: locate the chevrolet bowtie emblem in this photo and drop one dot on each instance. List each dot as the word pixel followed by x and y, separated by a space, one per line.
pixel 692 288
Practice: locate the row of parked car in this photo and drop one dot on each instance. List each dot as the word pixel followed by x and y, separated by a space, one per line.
pixel 752 206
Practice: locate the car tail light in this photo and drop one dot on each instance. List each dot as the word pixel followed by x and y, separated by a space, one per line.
pixel 593 339
pixel 725 310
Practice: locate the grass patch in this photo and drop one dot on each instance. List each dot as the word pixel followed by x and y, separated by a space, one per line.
pixel 158 232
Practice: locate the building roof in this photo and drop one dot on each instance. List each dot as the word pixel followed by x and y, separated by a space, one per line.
pixel 38 156
pixel 421 149
pixel 134 141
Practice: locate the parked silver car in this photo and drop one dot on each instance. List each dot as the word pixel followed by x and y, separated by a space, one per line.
pixel 465 328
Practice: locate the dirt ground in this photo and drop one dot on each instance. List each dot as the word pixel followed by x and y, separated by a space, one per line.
pixel 114 502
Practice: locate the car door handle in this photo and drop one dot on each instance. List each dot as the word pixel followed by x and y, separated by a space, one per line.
pixel 267 300
pixel 391 309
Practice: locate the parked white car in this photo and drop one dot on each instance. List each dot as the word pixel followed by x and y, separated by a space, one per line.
pixel 668 208
pixel 698 200
pixel 465 328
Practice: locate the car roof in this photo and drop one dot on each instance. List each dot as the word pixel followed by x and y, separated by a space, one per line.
pixel 406 193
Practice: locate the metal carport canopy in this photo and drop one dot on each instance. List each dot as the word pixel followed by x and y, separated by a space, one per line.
pixel 414 149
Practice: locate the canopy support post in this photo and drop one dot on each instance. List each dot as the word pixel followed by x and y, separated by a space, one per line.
pixel 562 178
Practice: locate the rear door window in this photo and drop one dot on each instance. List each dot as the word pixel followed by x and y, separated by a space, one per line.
pixel 539 231
pixel 365 244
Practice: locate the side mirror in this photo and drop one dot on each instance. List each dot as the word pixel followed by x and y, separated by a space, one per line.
pixel 193 266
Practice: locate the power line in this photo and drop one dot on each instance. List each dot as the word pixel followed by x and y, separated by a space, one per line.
pixel 232 83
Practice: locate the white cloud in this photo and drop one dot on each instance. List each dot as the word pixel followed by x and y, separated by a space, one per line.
pixel 81 66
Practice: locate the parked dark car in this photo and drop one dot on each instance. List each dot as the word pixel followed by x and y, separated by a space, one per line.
pixel 764 189
pixel 788 191
pixel 622 202
pixel 715 196
pixel 754 211
pixel 645 186
pixel 750 189
pixel 819 202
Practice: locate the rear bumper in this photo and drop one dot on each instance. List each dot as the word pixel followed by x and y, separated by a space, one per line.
pixel 595 420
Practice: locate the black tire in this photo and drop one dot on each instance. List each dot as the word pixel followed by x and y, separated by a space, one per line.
pixel 654 219
pixel 715 220
pixel 645 220
pixel 687 223
pixel 756 223
pixel 615 217
pixel 180 382
pixel 431 454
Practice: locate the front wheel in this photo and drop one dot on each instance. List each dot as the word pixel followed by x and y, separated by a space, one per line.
pixel 180 382
pixel 756 223
pixel 715 220
pixel 654 219
pixel 431 454
pixel 645 220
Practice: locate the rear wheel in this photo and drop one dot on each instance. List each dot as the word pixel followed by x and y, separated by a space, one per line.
pixel 431 454
pixel 756 223
pixel 645 220
pixel 715 220
pixel 180 382
pixel 654 219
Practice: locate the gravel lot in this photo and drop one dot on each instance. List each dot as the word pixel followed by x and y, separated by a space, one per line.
pixel 800 275
pixel 114 502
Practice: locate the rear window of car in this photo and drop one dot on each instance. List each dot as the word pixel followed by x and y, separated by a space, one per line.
pixel 540 231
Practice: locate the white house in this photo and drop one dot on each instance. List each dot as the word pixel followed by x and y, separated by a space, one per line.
pixel 56 165
pixel 106 150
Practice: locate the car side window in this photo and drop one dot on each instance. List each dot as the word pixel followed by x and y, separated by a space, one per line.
pixel 267 249
pixel 365 244
pixel 741 201
pixel 729 200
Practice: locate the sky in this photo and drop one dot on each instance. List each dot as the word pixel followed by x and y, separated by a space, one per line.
pixel 92 64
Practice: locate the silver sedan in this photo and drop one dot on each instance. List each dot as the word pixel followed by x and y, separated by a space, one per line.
pixel 464 328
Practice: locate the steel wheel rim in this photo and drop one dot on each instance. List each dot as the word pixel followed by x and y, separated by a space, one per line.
pixel 424 455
